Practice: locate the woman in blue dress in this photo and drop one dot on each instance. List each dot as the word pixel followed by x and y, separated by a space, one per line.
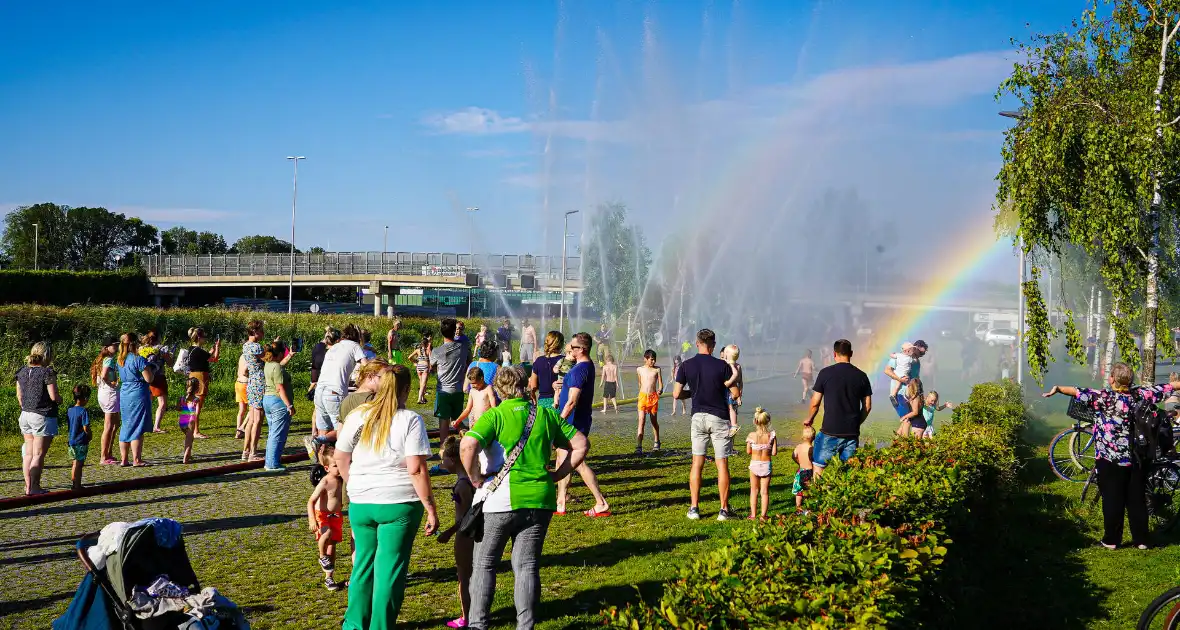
pixel 135 399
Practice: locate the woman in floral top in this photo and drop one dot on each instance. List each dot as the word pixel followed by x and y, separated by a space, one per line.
pixel 1121 481
pixel 255 388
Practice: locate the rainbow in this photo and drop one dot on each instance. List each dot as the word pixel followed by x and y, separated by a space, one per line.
pixel 959 258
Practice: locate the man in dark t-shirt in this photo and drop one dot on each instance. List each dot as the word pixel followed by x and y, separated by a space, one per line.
pixel 847 398
pixel 705 375
pixel 576 406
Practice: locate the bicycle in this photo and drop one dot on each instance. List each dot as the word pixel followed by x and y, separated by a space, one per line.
pixel 1163 613
pixel 1162 487
pixel 1071 452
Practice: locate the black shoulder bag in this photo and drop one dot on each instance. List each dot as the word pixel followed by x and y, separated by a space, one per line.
pixel 472 523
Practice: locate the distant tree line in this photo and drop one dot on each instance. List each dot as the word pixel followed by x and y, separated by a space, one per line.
pixel 53 236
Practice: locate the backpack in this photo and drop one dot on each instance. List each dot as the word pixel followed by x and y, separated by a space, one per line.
pixel 1146 424
pixel 181 364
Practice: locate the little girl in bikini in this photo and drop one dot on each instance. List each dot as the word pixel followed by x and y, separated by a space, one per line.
pixel 188 411
pixel 761 444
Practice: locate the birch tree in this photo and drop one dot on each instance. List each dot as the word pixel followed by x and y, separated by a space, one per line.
pixel 1092 161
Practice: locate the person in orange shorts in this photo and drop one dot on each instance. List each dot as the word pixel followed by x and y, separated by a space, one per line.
pixel 240 397
pixel 651 385
pixel 324 518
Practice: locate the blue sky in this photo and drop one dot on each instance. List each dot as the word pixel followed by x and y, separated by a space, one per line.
pixel 409 112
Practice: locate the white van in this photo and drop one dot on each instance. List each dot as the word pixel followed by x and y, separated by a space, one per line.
pixel 987 321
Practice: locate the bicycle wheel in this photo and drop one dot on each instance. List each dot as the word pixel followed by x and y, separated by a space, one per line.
pixel 1063 461
pixel 1163 496
pixel 1163 613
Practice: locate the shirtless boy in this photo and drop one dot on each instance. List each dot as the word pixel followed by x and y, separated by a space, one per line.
pixel 651 383
pixel 610 383
pixel 804 372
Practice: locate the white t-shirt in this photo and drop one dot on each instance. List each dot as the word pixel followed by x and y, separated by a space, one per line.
pixel 381 477
pixel 338 364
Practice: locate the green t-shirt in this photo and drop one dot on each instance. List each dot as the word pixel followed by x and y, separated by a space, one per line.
pixel 275 376
pixel 528 484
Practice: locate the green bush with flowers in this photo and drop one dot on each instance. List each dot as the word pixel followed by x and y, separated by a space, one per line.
pixel 875 537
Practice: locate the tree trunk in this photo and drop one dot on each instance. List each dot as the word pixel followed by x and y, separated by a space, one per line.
pixel 1109 361
pixel 1097 324
pixel 1151 309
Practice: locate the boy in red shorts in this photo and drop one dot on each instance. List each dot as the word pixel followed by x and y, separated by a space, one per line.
pixel 324 518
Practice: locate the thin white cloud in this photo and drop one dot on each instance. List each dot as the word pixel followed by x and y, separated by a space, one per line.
pixel 931 83
pixel 475 121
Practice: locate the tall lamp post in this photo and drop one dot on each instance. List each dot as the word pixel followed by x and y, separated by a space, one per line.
pixel 471 250
pixel 294 196
pixel 1020 289
pixel 36 243
pixel 565 234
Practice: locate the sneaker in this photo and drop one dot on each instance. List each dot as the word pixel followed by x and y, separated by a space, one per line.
pixel 693 514
pixel 275 470
pixel 333 585
pixel 655 447
pixel 1108 546
pixel 461 622
pixel 327 564
pixel 639 450
pixel 724 514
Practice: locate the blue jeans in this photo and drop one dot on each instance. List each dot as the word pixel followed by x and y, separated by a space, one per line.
pixel 826 447
pixel 278 422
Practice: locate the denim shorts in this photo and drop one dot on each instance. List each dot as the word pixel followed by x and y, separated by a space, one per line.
pixel 826 446
pixel 327 409
pixel 36 424
pixel 706 428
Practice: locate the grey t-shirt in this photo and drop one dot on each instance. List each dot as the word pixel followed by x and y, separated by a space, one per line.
pixel 452 359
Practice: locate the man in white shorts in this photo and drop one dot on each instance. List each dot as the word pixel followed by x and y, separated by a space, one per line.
pixel 705 376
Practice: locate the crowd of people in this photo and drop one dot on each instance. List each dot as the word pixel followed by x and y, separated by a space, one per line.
pixel 513 434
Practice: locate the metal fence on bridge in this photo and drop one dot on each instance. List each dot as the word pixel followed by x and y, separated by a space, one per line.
pixel 364 263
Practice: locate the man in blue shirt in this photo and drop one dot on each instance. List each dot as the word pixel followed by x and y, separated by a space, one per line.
pixel 705 376
pixel 577 408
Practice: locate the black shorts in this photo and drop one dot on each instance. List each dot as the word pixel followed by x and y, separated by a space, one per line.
pixel 609 390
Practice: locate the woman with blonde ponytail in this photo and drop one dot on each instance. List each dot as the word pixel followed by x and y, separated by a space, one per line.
pixel 381 451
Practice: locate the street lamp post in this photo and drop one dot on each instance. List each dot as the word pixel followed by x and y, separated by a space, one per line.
pixel 565 234
pixel 385 244
pixel 294 196
pixel 1020 288
pixel 471 251
pixel 36 243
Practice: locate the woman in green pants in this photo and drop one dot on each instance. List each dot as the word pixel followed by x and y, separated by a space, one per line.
pixel 381 452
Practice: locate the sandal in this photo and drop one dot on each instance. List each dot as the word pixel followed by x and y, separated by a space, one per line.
pixel 108 461
pixel 201 436
pixel 239 434
pixel 157 430
pixel 594 513
pixel 140 465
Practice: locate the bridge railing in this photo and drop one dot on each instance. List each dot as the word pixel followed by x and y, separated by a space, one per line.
pixel 363 263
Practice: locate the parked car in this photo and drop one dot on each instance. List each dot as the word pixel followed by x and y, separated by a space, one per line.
pixel 1000 335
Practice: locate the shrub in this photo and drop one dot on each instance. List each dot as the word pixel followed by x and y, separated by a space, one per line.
pixel 127 286
pixel 875 537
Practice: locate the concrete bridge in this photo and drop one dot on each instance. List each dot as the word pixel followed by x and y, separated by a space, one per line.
pixel 376 273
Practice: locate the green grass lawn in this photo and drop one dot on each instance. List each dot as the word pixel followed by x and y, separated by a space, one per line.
pixel 1035 564
pixel 247 534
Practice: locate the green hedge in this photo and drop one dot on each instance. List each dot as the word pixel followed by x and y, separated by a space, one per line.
pixel 877 533
pixel 76 334
pixel 74 287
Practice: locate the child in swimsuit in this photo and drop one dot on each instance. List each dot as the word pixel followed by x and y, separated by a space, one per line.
pixel 761 444
pixel 802 457
pixel 324 517
pixel 651 383
pixel 931 405
pixel 188 411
